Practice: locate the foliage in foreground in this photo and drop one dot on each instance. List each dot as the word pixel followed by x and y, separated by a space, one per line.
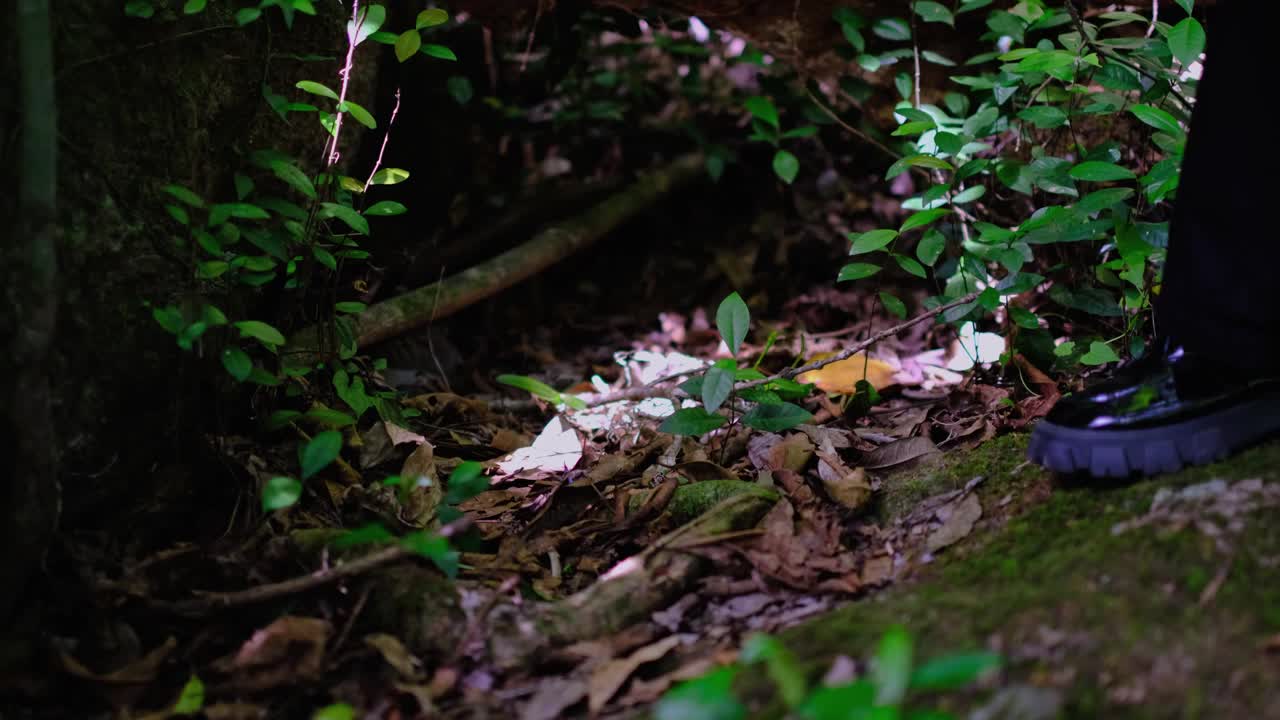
pixel 888 691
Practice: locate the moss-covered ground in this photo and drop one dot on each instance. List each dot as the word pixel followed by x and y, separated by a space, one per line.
pixel 1156 622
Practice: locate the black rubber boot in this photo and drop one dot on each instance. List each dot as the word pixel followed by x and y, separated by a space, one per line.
pixel 1170 409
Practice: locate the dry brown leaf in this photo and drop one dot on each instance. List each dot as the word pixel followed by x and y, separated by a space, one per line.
pixel 699 470
pixel 287 651
pixel 841 377
pixel 769 451
pixel 960 518
pixel 611 676
pixel 395 654
pixel 898 452
pixel 140 671
pixel 423 492
pixel 553 698
pixel 846 486
pixel 234 711
pixel 509 440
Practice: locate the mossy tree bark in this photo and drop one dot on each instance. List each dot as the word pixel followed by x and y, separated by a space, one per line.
pixel 30 508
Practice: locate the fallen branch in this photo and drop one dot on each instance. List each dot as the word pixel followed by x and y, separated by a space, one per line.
pixel 416 308
pixel 631 591
pixel 206 603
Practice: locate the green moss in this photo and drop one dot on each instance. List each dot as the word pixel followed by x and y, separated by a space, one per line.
pixel 693 499
pixel 1103 616
pixel 1002 463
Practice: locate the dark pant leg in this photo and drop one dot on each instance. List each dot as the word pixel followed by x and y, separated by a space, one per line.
pixel 1222 279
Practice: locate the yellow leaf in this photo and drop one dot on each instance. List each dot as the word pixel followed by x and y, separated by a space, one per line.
pixel 839 378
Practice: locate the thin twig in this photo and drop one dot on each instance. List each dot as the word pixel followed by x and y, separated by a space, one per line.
pixel 859 347
pixel 357 22
pixel 860 134
pixel 385 137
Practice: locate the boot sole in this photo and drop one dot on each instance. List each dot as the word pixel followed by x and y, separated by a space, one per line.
pixel 1150 451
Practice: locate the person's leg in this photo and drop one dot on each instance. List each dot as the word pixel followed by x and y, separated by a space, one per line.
pixel 1212 386
pixel 1220 291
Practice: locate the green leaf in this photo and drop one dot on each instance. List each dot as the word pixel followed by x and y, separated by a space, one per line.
pixel 857 271
pixel 891 667
pixel 776 417
pixel 408 44
pixel 1186 5
pixel 219 213
pixel 691 421
pixel 732 320
pixel 389 176
pixel 1102 199
pixel 892 29
pixel 439 51
pixel 460 89
pixel 1186 40
pixel 339 711
pixel 350 307
pixel 923 218
pixel 247 15
pixel 895 306
pixel 969 194
pixel 465 482
pixel 709 697
pixel 371 18
pixel 934 12
pixel 316 88
pixel 191 700
pixel 362 116
pixel 386 208
pixel 280 492
pixel 330 417
pixel 320 452
pixel 717 385
pixel 191 7
pixel 781 665
pixel 786 166
pixel 261 332
pixel 763 109
pixel 953 671
pixel 184 195
pixel 237 363
pixel 532 386
pixel 178 213
pixel 431 18
pixel 169 318
pixel 1157 118
pixel 139 9
pixel 1099 353
pixel 1023 318
pixel 1097 171
pixel 910 265
pixel 925 161
pixel 872 241
pixel 931 247
pixel 840 702
pixel 1044 117
pixel 348 215
pixel 296 179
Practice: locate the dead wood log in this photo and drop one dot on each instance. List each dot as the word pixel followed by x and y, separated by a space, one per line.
pixel 419 307
pixel 635 588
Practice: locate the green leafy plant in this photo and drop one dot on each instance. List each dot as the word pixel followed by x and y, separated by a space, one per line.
pixel 891 689
pixel 716 387
pixel 1052 83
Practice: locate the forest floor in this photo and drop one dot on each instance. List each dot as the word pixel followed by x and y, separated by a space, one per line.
pixel 606 563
